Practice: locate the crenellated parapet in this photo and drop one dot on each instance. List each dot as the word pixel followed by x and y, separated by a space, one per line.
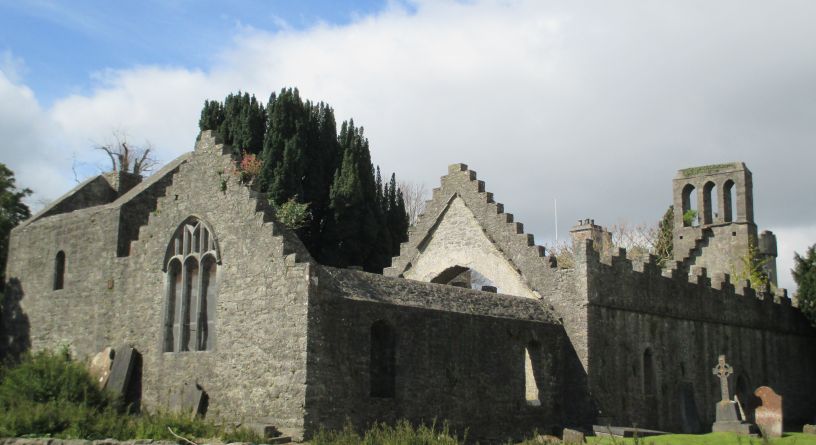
pixel 689 293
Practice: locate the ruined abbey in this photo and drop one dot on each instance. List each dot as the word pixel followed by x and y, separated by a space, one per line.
pixel 192 270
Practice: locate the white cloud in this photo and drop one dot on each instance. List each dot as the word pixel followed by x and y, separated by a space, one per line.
pixel 792 240
pixel 596 104
pixel 29 146
pixel 11 66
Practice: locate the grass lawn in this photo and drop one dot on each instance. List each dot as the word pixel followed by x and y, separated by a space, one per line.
pixel 707 439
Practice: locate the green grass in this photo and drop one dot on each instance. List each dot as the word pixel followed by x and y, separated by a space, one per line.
pixel 403 433
pixel 707 439
pixel 50 395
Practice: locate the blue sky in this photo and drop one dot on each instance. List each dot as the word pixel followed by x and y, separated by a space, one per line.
pixel 65 44
pixel 594 103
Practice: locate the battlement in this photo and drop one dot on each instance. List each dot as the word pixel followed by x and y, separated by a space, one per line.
pixel 640 285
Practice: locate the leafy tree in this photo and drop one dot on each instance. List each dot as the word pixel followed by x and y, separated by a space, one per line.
pixel 12 212
pixel 804 273
pixel 664 245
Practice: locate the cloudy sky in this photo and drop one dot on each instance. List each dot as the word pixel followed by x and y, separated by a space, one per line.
pixel 595 104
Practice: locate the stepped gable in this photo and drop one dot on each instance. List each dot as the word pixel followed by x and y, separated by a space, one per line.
pixel 217 158
pixel 499 227
pixel 689 293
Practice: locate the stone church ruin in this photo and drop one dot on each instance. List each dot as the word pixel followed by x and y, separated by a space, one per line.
pixel 215 295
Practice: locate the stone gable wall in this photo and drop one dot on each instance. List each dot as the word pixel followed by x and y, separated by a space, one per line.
pixel 534 274
pixel 257 370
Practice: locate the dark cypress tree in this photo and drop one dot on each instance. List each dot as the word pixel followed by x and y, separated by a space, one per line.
pixel 355 219
pixel 212 115
pixel 243 124
pixel 352 234
pixel 285 146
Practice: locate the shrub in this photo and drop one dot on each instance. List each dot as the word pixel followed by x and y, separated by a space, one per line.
pixel 46 377
pixel 49 394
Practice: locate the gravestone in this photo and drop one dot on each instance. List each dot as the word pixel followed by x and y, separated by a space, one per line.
pixel 572 437
pixel 769 416
pixel 809 429
pixel 100 367
pixel 190 399
pixel 727 419
pixel 122 370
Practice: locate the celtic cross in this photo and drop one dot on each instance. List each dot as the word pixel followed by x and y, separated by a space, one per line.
pixel 723 370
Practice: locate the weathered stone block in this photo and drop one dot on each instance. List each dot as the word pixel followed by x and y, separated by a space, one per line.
pixel 768 417
pixel 100 367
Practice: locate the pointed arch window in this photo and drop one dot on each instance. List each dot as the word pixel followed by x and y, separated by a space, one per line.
pixel 191 277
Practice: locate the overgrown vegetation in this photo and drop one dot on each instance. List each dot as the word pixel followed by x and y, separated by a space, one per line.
pixel 354 218
pixel 690 217
pixel 403 433
pixel 753 269
pixel 50 395
pixel 664 245
pixel 804 273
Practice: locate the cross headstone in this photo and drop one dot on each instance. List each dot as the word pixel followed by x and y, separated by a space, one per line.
pixel 723 370
pixel 727 418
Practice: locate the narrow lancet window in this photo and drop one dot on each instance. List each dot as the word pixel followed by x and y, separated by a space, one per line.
pixel 59 270
pixel 191 267
pixel 531 359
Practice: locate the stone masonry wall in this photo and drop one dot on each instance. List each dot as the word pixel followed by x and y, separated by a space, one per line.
pixel 257 370
pixel 653 339
pixel 461 195
pixel 459 357
pixel 458 239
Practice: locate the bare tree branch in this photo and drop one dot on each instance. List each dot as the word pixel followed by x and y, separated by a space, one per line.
pixel 129 158
pixel 414 195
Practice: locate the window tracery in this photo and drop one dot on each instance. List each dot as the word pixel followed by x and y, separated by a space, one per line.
pixel 191 272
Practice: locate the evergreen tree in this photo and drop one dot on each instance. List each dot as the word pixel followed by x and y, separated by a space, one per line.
pixel 284 147
pixel 664 246
pixel 243 125
pixel 354 219
pixel 212 116
pixel 352 234
pixel 804 273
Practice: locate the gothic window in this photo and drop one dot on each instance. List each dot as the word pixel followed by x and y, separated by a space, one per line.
pixel 729 199
pixel 711 206
pixel 59 270
pixel 191 271
pixel 382 368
